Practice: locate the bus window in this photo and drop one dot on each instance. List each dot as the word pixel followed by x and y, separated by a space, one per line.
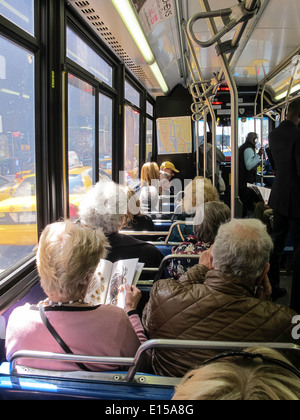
pixel 149 140
pixel 149 109
pixel 81 129
pixel 132 133
pixel 18 229
pixel 20 12
pixel 86 57
pixel 132 95
pixel 248 125
pixel 105 134
pixel 149 132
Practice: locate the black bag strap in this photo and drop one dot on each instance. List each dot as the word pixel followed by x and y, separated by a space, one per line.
pixel 58 338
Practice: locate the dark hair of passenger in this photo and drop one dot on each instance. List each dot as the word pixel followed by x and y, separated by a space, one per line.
pixel 294 108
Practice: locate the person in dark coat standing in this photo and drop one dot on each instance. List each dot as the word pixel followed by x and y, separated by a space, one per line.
pixel 248 162
pixel 284 144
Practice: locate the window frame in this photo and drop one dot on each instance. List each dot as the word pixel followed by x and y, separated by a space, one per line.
pixel 71 67
pixel 51 80
pixel 11 278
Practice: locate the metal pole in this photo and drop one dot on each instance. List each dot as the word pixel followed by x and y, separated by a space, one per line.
pixel 205 145
pixel 262 134
pixel 207 101
pixel 197 148
pixel 235 202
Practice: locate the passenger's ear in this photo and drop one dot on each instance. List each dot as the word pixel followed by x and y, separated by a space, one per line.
pixel 261 278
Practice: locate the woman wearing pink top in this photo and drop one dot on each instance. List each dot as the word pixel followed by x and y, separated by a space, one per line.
pixel 67 257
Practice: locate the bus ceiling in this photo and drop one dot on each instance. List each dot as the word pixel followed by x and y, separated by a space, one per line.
pixel 256 36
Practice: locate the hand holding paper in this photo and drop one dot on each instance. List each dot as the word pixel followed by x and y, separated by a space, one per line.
pixel 133 296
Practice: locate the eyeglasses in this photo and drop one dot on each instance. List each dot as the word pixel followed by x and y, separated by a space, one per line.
pixel 253 356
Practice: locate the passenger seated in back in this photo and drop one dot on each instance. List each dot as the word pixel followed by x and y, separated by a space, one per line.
pixel 149 187
pixel 135 219
pixel 208 219
pixel 196 193
pixel 67 257
pixel 240 376
pixel 105 206
pixel 223 301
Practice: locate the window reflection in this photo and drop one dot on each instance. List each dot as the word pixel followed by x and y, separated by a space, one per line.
pixel 81 131
pixel 20 12
pixel 149 140
pixel 105 135
pixel 132 94
pixel 86 57
pixel 132 127
pixel 18 229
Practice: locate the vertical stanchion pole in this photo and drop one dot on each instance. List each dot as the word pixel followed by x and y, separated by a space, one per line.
pixel 235 202
pixel 204 86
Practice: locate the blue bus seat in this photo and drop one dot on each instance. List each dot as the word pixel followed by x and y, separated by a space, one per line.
pixel 165 249
pixel 18 382
pixel 162 226
pixel 36 385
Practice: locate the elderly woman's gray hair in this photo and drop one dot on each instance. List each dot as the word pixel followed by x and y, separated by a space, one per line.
pixel 68 255
pixel 104 206
pixel 209 217
pixel 242 248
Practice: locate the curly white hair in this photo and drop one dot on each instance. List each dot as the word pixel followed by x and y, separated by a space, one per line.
pixel 104 206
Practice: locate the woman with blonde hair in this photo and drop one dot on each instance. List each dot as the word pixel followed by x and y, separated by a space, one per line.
pixel 150 171
pixel 149 194
pixel 67 257
pixel 256 374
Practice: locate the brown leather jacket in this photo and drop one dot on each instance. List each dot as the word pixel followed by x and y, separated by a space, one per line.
pixel 207 305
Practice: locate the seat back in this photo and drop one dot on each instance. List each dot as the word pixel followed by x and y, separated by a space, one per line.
pixel 17 382
pixel 189 261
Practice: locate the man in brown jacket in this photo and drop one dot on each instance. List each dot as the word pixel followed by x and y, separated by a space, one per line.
pixel 226 300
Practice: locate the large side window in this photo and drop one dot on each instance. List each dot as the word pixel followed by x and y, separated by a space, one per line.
pixel 132 134
pixel 149 132
pixel 105 136
pixel 18 228
pixel 81 131
pixel 86 57
pixel 20 12
pixel 90 114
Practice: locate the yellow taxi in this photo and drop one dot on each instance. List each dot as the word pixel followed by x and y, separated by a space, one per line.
pixel 7 188
pixel 19 176
pixel 105 165
pixel 18 213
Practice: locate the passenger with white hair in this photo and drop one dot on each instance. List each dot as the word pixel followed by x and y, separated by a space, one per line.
pixel 105 206
pixel 64 322
pixel 224 298
pixel 255 374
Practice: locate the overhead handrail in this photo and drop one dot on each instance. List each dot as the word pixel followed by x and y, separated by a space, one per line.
pixel 231 17
pixel 273 108
pixel 240 13
pixel 211 91
pixel 135 362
